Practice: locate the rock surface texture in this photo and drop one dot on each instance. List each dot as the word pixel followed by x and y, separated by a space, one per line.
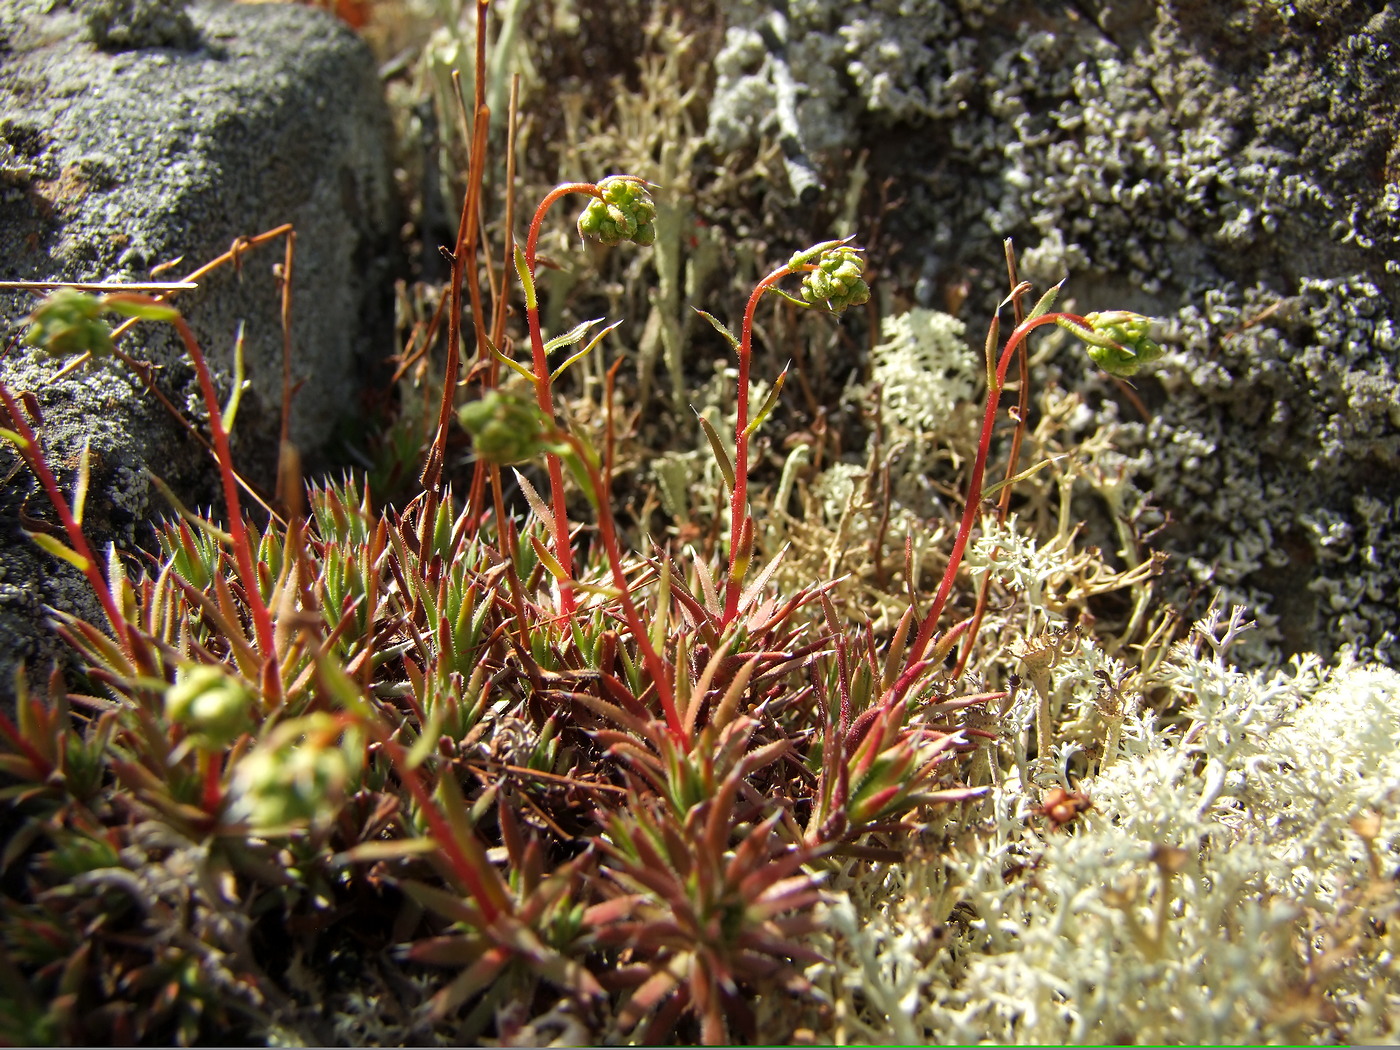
pixel 139 132
pixel 1233 169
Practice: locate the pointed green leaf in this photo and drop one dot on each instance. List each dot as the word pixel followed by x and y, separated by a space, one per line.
pixel 427 742
pixel 206 527
pixel 719 327
pixel 442 902
pixel 991 490
pixel 791 298
pixel 59 550
pixel 520 369
pixel 1046 301
pixel 536 502
pixel 239 384
pixel 807 255
pixel 14 439
pixel 572 336
pixel 726 465
pixel 141 307
pixel 769 403
pixel 585 351
pixel 80 482
pixel 527 280
pixel 549 561
pixel 389 849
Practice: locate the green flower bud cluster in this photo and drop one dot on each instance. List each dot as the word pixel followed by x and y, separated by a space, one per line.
pixel 838 280
pixel 505 429
pixel 1120 342
pixel 298 775
pixel 210 703
pixel 623 211
pixel 69 323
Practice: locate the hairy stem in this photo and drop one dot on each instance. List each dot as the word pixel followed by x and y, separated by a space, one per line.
pixel 1017 437
pixel 563 547
pixel 33 455
pixel 463 260
pixel 738 501
pixel 237 527
pixel 974 485
pixel 490 903
pixel 607 533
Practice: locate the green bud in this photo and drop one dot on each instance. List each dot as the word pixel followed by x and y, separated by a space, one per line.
pixel 838 280
pixel 624 211
pixel 298 775
pixel 69 323
pixel 210 703
pixel 1119 341
pixel 505 429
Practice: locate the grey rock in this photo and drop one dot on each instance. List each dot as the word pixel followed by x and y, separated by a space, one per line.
pixel 114 162
pixel 120 25
pixel 1231 168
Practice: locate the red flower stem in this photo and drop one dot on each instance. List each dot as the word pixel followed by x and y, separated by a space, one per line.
pixel 488 902
pixel 1017 437
pixel 607 532
pixel 463 267
pixel 738 501
pixel 34 455
pixel 563 547
pixel 211 767
pixel 974 485
pixel 237 528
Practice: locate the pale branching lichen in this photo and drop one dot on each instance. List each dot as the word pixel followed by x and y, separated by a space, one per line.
pixel 837 490
pixel 924 380
pixel 921 395
pixel 1230 881
pixel 924 369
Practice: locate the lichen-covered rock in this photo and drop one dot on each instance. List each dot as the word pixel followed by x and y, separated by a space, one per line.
pixel 1233 169
pixel 119 25
pixel 115 162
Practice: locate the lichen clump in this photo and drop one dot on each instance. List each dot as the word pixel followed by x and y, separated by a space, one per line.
pixel 1231 881
pixel 1226 166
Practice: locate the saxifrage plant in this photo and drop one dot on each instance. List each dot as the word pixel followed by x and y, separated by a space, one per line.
pixel 592 782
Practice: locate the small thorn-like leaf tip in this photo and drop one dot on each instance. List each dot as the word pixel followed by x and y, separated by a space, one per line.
pixel 623 211
pixel 505 429
pixel 67 324
pixel 838 279
pixel 1123 342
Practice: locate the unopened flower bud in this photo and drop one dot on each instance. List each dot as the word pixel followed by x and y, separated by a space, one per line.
pixel 210 703
pixel 297 776
pixel 624 211
pixel 1123 344
pixel 505 429
pixel 838 280
pixel 69 323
